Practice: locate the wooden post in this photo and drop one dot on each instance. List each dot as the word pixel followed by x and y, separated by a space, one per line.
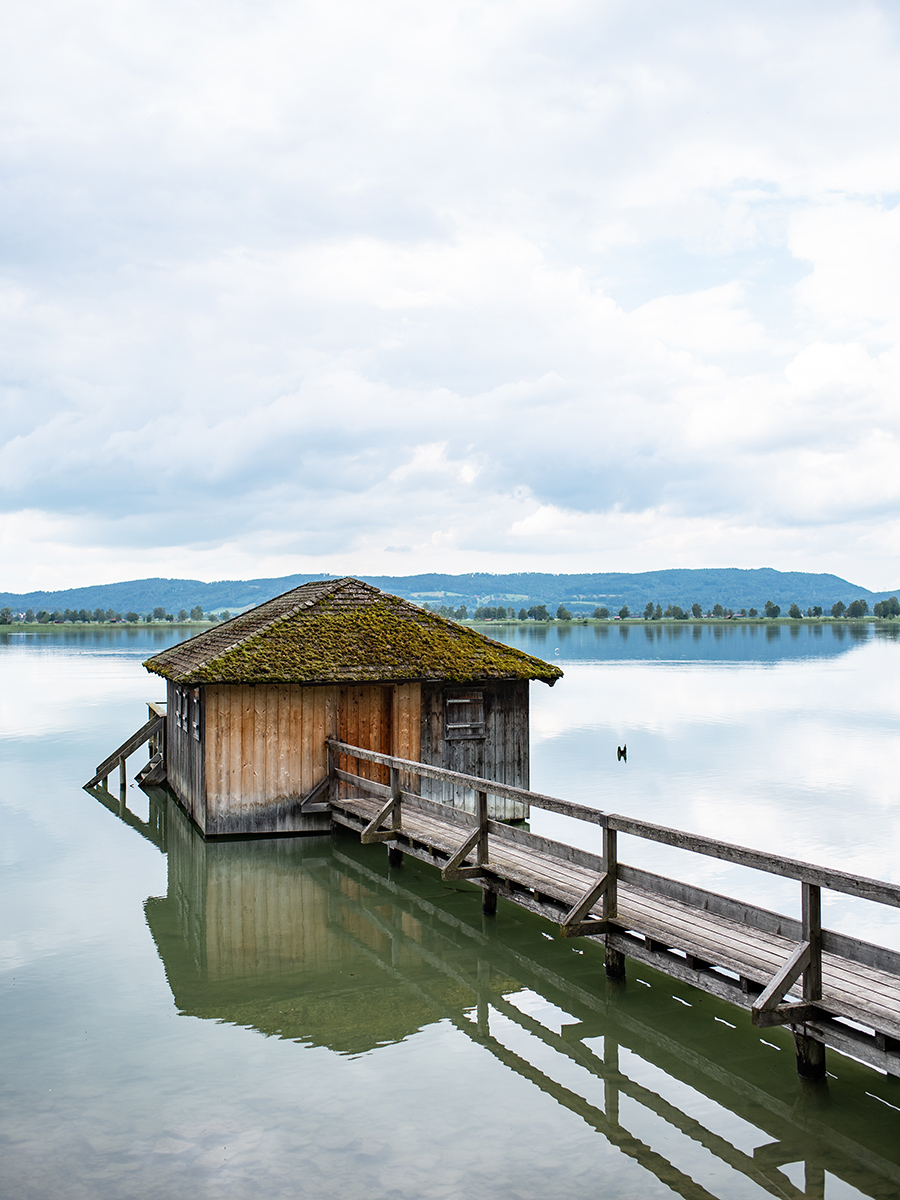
pixel 811 1053
pixel 334 786
pixel 615 959
pixel 481 853
pixel 395 855
pixel 615 962
pixel 810 1056
pixel 610 865
pixel 123 779
pixel 489 902
pixel 396 797
pixel 812 933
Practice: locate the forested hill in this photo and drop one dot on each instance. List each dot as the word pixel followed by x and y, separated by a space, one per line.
pixel 731 587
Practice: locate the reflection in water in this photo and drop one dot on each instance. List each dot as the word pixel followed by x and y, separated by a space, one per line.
pixel 408 1048
pixel 715 641
pixel 319 942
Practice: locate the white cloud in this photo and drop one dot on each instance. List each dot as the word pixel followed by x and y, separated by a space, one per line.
pixel 539 285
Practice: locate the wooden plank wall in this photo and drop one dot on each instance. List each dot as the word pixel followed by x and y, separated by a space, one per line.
pixel 185 756
pixel 381 717
pixel 502 754
pixel 265 751
pixel 265 747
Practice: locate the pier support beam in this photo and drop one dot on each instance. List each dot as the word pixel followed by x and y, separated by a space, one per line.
pixel 615 963
pixel 395 856
pixel 810 1056
pixel 488 902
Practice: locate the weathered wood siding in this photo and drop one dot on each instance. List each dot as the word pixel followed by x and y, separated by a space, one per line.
pixel 265 748
pixel 185 755
pixel 265 751
pixel 497 747
pixel 381 717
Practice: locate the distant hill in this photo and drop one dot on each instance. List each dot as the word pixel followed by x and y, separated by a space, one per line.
pixel 729 586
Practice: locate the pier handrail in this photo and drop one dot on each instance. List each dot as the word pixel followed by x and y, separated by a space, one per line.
pixel 835 880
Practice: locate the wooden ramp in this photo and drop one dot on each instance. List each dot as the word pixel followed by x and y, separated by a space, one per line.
pixel 153 731
pixel 830 989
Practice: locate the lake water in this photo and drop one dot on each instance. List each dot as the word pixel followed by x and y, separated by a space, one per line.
pixel 291 1018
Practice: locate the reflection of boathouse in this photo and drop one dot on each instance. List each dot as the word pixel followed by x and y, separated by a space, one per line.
pixel 268 933
pixel 252 702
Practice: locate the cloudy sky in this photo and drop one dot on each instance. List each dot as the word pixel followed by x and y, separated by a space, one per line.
pixel 382 286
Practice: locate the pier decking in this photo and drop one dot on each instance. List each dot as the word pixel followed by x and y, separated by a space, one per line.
pixel 829 988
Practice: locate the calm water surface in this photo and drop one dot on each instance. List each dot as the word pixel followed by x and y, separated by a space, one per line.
pixel 290 1019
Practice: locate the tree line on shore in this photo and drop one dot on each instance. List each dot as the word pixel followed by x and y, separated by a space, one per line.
pixel 109 616
pixel 655 612
pixel 536 612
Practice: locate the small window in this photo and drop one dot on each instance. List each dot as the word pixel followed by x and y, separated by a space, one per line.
pixel 464 715
pixel 195 714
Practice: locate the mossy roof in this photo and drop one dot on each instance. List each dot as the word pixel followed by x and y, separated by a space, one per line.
pixel 343 631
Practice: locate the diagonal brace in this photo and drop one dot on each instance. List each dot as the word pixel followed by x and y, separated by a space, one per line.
pixel 372 833
pixel 573 924
pixel 454 868
pixel 312 798
pixel 782 982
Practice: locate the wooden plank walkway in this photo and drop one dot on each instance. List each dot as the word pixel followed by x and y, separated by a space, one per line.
pixel 829 988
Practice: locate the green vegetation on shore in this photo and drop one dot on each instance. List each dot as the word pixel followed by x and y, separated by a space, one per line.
pixel 42 619
pixel 856 610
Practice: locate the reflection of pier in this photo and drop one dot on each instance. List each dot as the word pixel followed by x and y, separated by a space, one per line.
pixel 829 988
pixel 798 1137
pixel 308 941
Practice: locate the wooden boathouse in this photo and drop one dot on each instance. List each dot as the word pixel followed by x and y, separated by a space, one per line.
pixel 252 703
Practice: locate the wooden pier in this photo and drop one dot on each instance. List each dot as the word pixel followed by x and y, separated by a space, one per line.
pixel 829 988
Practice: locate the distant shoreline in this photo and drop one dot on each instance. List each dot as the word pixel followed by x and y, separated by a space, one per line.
pixel 50 626
pixel 638 620
pixel 607 622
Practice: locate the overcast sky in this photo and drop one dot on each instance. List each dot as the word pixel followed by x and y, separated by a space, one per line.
pixel 377 286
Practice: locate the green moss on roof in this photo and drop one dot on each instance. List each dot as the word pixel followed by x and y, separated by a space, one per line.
pixel 353 633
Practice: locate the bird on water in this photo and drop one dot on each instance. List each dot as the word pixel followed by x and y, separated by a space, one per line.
pixel 621 752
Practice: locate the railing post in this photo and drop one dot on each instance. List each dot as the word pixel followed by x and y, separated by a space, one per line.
pixel 810 1051
pixel 395 855
pixel 334 785
pixel 812 933
pixel 610 866
pixel 481 853
pixel 615 959
pixel 396 796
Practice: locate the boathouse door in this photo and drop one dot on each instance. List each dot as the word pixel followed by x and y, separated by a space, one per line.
pixel 365 718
